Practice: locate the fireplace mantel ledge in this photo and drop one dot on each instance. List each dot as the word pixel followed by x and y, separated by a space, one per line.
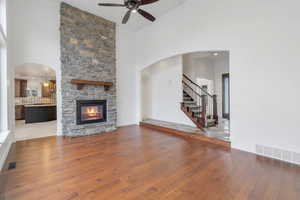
pixel 81 83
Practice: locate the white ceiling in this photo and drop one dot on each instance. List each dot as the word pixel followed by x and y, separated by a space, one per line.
pixel 34 71
pixel 116 14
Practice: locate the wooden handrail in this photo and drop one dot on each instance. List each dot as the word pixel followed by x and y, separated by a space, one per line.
pixel 201 100
pixel 191 88
pixel 185 76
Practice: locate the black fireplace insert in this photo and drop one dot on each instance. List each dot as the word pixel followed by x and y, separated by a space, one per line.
pixel 91 111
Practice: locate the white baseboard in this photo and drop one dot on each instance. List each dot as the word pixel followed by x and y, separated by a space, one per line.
pixel 6 140
pixel 124 125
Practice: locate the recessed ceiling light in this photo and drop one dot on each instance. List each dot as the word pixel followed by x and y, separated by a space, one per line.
pixel 216 54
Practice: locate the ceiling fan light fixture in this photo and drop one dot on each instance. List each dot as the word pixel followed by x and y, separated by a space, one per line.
pixel 133 6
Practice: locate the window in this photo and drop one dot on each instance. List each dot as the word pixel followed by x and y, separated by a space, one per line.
pixel 3 16
pixel 3 67
pixel 226 97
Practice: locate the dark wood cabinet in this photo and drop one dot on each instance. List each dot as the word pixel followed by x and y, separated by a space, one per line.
pixel 35 113
pixel 19 112
pixel 20 88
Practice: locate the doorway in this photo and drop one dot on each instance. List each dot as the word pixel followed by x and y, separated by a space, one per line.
pixel 35 101
pixel 226 96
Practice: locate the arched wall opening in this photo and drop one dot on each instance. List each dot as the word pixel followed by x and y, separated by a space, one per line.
pixel 161 87
pixel 161 91
pixel 35 101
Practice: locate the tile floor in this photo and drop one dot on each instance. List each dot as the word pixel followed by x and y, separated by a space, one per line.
pixel 35 130
pixel 221 132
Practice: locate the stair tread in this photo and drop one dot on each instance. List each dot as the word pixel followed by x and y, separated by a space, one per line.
pixel 193 106
pixel 189 102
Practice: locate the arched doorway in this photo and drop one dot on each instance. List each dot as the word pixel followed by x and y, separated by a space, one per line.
pixel 188 91
pixel 35 101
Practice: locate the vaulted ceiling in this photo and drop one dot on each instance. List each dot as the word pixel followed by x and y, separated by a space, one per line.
pixel 116 14
pixel 32 71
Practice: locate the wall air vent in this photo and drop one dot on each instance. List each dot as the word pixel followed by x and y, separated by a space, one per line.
pixel 279 154
pixel 12 165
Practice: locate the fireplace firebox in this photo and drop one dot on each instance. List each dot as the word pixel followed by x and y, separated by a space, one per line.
pixel 91 111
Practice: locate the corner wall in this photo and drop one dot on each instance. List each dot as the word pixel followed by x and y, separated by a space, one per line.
pixel 126 78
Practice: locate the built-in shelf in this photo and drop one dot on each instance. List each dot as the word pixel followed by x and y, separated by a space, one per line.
pixel 81 83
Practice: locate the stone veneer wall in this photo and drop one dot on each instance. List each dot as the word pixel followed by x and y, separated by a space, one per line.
pixel 88 52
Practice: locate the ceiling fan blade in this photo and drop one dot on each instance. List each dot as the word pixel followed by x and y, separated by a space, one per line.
pixel 111 4
pixel 146 15
pixel 144 2
pixel 126 17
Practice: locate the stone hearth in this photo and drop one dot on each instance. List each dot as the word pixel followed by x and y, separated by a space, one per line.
pixel 88 52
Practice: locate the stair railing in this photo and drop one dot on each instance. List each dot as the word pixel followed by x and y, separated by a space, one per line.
pixel 206 101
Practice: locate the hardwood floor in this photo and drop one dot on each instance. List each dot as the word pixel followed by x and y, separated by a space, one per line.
pixel 140 163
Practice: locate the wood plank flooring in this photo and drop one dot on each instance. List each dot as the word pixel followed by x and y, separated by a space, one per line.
pixel 139 163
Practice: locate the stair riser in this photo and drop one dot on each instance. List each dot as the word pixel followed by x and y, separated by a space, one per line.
pixel 194 109
pixel 190 104
pixel 194 112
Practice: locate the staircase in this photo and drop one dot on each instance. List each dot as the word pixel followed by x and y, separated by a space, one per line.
pixel 198 104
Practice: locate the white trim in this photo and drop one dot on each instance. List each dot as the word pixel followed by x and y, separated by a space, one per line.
pixel 3 39
pixel 3 90
pixel 6 140
pixel 3 136
pixel 126 125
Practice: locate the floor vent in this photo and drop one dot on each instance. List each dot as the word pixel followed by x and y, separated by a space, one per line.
pixel 12 165
pixel 279 154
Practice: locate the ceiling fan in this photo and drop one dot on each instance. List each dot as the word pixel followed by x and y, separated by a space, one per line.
pixel 133 6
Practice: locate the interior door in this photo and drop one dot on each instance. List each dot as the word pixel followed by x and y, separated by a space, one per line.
pixel 226 96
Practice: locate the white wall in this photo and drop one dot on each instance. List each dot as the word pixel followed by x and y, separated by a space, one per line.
pixel 221 66
pixel 126 78
pixel 146 93
pixel 263 39
pixel 196 68
pixel 33 30
pixel 162 91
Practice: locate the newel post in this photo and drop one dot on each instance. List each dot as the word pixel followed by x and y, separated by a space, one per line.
pixel 215 108
pixel 203 106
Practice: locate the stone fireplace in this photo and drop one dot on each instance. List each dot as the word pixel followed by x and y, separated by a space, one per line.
pixel 88 53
